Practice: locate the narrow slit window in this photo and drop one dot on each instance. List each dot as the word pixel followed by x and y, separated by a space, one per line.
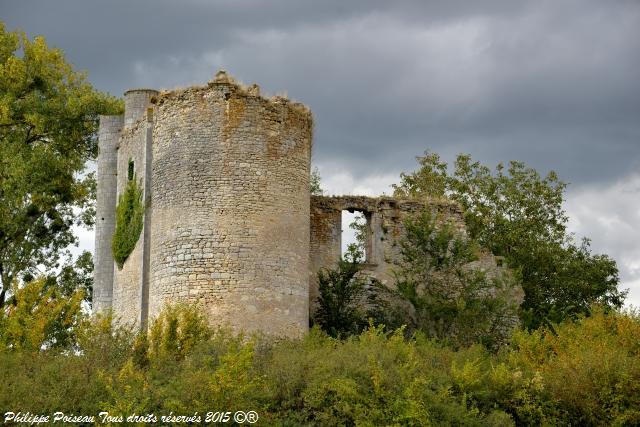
pixel 130 171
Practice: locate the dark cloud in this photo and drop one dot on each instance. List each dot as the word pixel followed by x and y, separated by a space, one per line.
pixel 553 83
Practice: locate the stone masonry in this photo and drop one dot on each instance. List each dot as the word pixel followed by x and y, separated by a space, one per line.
pixel 384 216
pixel 225 175
pixel 229 224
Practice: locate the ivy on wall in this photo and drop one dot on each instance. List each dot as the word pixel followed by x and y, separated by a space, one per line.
pixel 129 215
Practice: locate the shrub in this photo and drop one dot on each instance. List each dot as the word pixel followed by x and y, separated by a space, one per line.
pixel 340 310
pixel 450 298
pixel 590 368
pixel 586 373
pixel 39 317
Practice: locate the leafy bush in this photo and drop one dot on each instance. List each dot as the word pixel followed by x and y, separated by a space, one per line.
pixel 340 311
pixel 450 298
pixel 38 316
pixel 590 368
pixel 587 373
pixel 129 222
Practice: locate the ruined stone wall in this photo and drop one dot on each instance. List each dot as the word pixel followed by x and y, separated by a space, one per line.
pixel 385 218
pixel 230 200
pixel 326 236
pixel 128 279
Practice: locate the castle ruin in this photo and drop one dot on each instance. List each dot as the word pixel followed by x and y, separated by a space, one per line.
pixel 229 223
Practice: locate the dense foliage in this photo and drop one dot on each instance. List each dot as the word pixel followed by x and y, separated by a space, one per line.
pixel 340 311
pixel 588 373
pixel 515 213
pixel 40 316
pixel 129 222
pixel 452 297
pixel 48 119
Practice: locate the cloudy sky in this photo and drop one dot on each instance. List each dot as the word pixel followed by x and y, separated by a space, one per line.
pixel 553 83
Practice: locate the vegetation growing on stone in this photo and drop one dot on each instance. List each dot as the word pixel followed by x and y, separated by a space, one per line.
pixel 129 222
pixel 451 298
pixel 441 289
pixel 315 187
pixel 517 214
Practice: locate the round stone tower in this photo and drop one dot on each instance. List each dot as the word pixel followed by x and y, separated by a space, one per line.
pixel 230 206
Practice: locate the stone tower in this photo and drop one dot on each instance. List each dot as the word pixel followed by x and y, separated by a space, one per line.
pixel 225 176
pixel 108 135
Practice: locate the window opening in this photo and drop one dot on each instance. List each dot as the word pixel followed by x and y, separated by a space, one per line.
pixel 356 231
pixel 130 171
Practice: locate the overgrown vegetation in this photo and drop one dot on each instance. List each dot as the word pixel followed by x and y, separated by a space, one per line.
pixel 451 298
pixel 315 187
pixel 348 301
pixel 586 373
pixel 40 316
pixel 515 213
pixel 129 221
pixel 440 288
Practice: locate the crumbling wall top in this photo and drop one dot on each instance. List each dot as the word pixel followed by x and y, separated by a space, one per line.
pixel 226 86
pixel 374 204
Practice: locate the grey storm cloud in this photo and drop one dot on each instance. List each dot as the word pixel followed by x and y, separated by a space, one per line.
pixel 549 82
pixel 553 83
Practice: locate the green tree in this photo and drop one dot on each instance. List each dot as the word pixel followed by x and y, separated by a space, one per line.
pixel 314 183
pixel 48 120
pixel 516 213
pixel 452 298
pixel 39 317
pixel 340 311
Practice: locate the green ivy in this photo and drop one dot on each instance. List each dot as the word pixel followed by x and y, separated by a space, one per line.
pixel 129 214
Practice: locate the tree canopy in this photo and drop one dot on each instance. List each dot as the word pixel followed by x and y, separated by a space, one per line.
pixel 48 119
pixel 451 298
pixel 516 213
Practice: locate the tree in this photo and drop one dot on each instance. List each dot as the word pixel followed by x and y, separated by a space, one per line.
pixel 314 183
pixel 340 312
pixel 48 120
pixel 516 213
pixel 39 317
pixel 452 298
